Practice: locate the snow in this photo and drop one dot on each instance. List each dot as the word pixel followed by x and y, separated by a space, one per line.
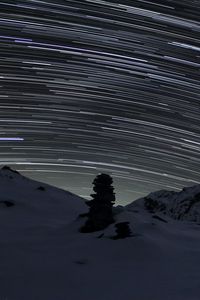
pixel 43 256
pixel 183 205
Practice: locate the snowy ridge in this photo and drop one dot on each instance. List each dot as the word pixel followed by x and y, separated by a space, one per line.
pixel 34 204
pixel 183 205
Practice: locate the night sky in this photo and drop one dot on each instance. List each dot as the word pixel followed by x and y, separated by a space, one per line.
pixel 101 86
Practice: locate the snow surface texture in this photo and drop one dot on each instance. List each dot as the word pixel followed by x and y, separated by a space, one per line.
pixel 43 256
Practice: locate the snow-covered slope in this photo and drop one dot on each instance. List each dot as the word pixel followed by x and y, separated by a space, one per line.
pixel 25 203
pixel 43 255
pixel 183 205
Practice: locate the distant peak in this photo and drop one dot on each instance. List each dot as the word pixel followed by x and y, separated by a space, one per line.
pixel 7 168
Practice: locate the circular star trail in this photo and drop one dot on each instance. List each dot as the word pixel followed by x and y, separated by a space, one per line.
pixel 101 86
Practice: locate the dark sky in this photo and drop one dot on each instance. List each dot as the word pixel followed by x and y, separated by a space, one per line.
pixel 101 86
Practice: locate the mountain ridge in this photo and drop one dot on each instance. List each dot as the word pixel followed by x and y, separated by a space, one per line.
pixel 182 205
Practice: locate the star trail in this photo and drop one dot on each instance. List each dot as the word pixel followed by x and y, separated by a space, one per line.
pixel 101 86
